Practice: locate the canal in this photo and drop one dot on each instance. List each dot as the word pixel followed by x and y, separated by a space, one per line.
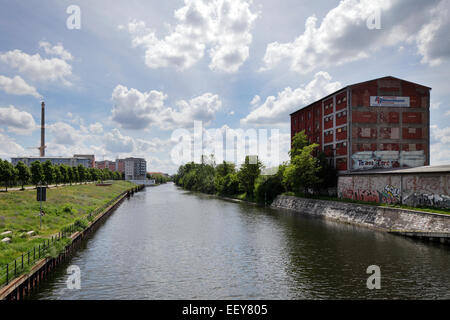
pixel 167 243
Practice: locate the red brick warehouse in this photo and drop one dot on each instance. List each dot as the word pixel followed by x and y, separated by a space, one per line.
pixel 381 123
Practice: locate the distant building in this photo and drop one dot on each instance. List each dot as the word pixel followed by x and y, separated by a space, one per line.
pixel 120 165
pixel 91 157
pixel 106 164
pixel 379 124
pixel 70 161
pixel 135 168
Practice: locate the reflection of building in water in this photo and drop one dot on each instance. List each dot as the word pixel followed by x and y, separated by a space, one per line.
pixel 382 123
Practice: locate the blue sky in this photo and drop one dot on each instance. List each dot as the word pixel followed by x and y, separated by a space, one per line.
pixel 137 70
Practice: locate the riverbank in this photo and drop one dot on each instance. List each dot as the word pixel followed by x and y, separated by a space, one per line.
pixel 58 250
pixel 19 214
pixel 380 218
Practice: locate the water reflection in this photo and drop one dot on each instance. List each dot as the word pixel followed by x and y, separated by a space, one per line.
pixel 166 243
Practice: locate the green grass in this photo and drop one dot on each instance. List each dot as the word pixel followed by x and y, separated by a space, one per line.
pixel 399 206
pixel 19 213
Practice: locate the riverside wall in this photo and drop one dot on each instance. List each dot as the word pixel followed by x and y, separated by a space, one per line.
pixel 375 217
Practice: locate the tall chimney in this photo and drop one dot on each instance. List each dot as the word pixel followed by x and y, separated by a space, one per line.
pixel 42 147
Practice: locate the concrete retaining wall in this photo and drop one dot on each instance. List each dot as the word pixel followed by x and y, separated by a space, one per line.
pixel 380 218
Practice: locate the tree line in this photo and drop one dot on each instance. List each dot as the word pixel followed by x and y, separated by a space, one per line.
pixel 46 173
pixel 308 171
pixel 159 178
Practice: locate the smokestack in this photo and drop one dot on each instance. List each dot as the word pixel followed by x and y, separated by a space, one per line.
pixel 42 147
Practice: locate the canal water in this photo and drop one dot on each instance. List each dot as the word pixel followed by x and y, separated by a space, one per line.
pixel 167 243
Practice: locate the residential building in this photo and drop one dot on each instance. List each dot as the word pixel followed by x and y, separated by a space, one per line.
pixel 135 168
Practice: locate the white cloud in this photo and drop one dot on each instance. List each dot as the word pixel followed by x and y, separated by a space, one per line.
pixel 435 105
pixel 20 122
pixel 343 35
pixel 96 128
pixel 223 26
pixel 138 110
pixel 65 134
pixel 276 110
pixel 37 68
pixel 17 86
pixel 118 143
pixel 440 146
pixel 9 147
pixel 57 50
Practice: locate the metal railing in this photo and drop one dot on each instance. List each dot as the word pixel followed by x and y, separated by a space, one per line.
pixel 17 267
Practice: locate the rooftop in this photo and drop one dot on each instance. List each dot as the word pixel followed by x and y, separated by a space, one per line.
pixel 356 84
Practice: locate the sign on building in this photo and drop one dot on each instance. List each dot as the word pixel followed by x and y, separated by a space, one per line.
pixel 384 101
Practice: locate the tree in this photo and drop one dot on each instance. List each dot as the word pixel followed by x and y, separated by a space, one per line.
pixel 247 175
pixel 64 173
pixel 49 173
pixel 302 171
pixel 81 173
pixel 23 173
pixel 75 176
pixel 7 173
pixel 268 187
pixel 70 175
pixel 94 174
pixel 299 141
pixel 58 174
pixel 37 174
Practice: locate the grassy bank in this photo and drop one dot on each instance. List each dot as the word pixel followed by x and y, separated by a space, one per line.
pixel 399 206
pixel 19 213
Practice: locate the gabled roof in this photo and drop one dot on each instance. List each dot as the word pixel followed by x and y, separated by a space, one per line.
pixel 357 84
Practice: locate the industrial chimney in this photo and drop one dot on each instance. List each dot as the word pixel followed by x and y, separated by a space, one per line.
pixel 42 147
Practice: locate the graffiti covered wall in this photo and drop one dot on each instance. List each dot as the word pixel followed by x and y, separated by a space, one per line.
pixel 417 190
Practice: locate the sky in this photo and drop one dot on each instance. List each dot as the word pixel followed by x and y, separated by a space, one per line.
pixel 119 78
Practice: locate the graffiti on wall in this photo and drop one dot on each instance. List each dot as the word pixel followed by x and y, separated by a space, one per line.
pixel 428 200
pixel 390 194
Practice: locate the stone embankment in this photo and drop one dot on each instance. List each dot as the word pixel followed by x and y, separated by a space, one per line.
pixel 380 218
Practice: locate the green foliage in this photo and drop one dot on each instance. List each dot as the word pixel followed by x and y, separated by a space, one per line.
pixel 7 173
pixel 248 174
pixel 23 173
pixel 269 187
pixel 158 177
pixel 37 173
pixel 302 171
pixel 49 173
pixel 299 141
pixel 196 177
